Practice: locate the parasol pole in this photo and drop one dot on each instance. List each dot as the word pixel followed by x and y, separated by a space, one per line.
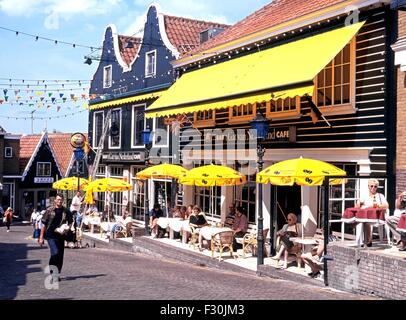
pixel 301 206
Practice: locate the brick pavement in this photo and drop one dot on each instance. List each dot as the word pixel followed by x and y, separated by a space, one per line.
pixel 93 273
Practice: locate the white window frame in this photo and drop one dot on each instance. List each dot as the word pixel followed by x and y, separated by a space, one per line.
pixel 5 152
pixel 107 76
pixel 153 137
pixel 12 193
pixel 50 169
pixel 133 122
pixel 121 124
pixel 95 146
pixel 147 75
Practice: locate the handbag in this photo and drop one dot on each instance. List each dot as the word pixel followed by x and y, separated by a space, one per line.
pixel 285 239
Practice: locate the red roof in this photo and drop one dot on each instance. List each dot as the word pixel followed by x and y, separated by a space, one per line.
pixel 60 143
pixel 274 13
pixel 28 143
pixel 128 54
pixel 184 33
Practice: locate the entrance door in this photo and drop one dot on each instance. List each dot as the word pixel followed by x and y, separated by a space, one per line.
pixel 41 200
pixel 162 191
pixel 289 201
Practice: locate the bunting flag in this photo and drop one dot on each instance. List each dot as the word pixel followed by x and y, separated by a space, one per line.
pixel 39 93
pixel 18 98
pixel 16 92
pixel 53 100
pixel 31 97
pixel 42 98
pixel 6 98
pixel 64 100
pixel 58 108
pixel 5 91
pixel 72 96
pixel 61 95
pixel 75 99
pixel 85 106
pixel 31 105
pixel 50 94
pixel 39 105
pixel 21 104
pixel 84 96
pixel 1 101
pixel 48 106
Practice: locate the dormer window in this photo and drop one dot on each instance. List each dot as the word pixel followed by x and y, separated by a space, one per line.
pixel 8 152
pixel 150 63
pixel 107 76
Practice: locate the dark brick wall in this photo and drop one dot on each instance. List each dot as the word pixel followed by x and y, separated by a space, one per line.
pixel 367 272
pixel 11 165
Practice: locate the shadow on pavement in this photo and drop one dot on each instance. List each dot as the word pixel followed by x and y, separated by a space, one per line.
pixel 68 278
pixel 14 268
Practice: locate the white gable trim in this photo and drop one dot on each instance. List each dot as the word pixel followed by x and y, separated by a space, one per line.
pixel 43 138
pixel 69 166
pixel 162 31
pixel 116 48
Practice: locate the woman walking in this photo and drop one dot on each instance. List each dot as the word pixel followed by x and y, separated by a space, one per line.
pixel 9 217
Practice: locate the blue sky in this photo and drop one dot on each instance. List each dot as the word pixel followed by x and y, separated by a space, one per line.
pixel 80 22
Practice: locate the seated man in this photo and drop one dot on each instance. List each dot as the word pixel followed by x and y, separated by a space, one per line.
pixel 239 227
pixel 313 258
pixel 155 213
pixel 392 221
pixel 229 221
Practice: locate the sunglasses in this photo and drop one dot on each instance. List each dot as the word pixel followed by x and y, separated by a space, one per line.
pixel 290 219
pixel 373 186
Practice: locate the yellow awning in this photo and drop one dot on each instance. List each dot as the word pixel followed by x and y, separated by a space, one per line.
pixel 117 102
pixel 240 81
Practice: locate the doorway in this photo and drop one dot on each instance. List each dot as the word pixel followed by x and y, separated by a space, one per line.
pixel 288 201
pixel 162 192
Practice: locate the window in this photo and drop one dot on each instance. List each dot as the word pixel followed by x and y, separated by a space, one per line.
pixel 204 197
pixel 242 113
pixel 335 84
pixel 116 204
pixel 100 201
pixel 98 122
pixel 161 133
pixel 244 195
pixel 107 77
pixel 283 107
pixel 138 125
pixel 138 204
pixel 204 118
pixel 43 169
pixel 8 152
pixel 150 63
pixel 115 129
pixel 101 171
pixel 116 171
pixel 8 195
pixel 81 167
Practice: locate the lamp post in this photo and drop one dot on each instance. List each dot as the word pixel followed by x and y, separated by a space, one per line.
pixel 146 140
pixel 261 125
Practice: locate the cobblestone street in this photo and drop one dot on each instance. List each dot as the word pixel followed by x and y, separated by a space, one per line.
pixel 105 274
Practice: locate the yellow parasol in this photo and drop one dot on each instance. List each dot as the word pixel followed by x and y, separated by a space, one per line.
pixel 70 183
pixel 212 175
pixel 302 171
pixel 162 171
pixel 109 184
pixel 89 193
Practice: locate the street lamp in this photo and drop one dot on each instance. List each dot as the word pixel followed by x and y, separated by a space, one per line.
pixel 261 125
pixel 146 140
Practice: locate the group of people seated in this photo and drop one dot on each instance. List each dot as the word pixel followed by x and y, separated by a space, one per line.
pixel 235 220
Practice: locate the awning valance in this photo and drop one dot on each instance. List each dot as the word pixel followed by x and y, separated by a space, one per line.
pixel 255 77
pixel 117 102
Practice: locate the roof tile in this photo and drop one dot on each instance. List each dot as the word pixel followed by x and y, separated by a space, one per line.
pixel 274 13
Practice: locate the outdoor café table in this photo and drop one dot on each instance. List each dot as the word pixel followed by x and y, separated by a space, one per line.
pixel 367 215
pixel 207 232
pixel 303 241
pixel 164 222
pixel 106 227
pixel 176 225
pixel 401 227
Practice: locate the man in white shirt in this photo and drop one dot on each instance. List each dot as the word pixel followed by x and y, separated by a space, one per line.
pixel 76 202
pixel 34 216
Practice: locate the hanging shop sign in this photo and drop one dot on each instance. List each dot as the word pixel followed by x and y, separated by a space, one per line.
pixel 124 156
pixel 43 180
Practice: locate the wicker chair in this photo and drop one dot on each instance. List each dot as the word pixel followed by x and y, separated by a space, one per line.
pixel 194 235
pixel 250 242
pixel 222 240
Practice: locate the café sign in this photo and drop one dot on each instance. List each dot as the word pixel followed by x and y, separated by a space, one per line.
pixel 43 180
pixel 282 134
pixel 124 156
